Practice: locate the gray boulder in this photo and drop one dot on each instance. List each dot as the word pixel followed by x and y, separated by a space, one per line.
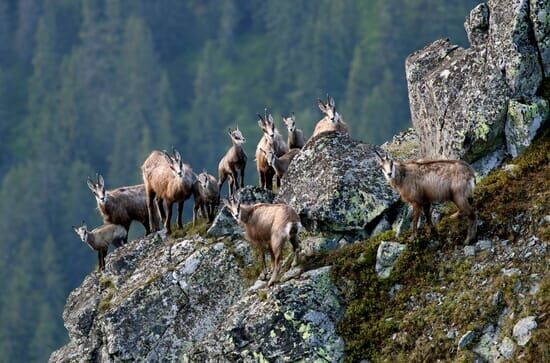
pixel 540 14
pixel 295 321
pixel 167 298
pixel 459 97
pixel 522 330
pixel 522 123
pixel 224 224
pixel 335 185
pixel 386 257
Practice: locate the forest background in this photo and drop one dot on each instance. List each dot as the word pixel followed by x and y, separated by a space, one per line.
pixel 94 85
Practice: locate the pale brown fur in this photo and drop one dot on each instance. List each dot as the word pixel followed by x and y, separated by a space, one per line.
pixel 206 193
pixel 101 237
pixel 270 139
pixel 233 163
pixel 280 164
pixel 295 137
pixel 332 121
pixel 161 182
pixel 121 205
pixel 268 227
pixel 423 182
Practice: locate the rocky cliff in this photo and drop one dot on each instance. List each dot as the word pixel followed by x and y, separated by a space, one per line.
pixel 362 293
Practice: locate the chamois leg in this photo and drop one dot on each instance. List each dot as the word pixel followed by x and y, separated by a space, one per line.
pixel 160 204
pixel 263 274
pixel 168 218
pixel 276 251
pixel 150 207
pixel 180 214
pixel 278 183
pixel 270 173
pixel 415 216
pixel 428 215
pixel 262 179
pixel 223 177
pixel 233 178
pixel 196 207
pixel 147 228
pixel 295 248
pixel 466 209
pixel 242 177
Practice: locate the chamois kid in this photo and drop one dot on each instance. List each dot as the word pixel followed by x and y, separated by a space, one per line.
pixel 169 180
pixel 101 237
pixel 423 182
pixel 332 120
pixel 206 193
pixel 233 162
pixel 295 136
pixel 122 205
pixel 280 164
pixel 268 227
pixel 271 139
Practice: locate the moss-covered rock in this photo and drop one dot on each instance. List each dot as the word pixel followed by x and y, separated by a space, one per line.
pixel 335 185
pixel 522 123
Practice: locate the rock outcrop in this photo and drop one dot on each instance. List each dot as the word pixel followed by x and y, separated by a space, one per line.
pixel 460 98
pixel 335 185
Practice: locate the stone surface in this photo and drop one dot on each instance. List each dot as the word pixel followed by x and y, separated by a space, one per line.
pixel 153 300
pixel 522 123
pixel 404 145
pixel 225 225
pixel 335 184
pixel 540 18
pixel 522 330
pixel 507 347
pixel 466 340
pixel 296 321
pixel 386 257
pixel 459 97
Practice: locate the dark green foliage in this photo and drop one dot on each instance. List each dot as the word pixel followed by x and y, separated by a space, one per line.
pixel 94 86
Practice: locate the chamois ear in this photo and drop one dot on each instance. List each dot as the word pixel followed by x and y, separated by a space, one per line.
pixel 321 105
pixel 176 154
pixel 229 132
pixel 270 118
pixel 380 158
pixel 293 117
pixel 330 101
pixel 101 181
pixel 167 157
pixel 262 150
pixel 91 184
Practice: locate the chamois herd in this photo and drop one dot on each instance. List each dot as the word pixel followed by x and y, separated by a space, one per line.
pixel 167 180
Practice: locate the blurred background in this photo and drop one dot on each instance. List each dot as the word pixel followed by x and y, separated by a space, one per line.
pixel 94 85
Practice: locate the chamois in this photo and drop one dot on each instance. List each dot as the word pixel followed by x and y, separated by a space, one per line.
pixel 269 226
pixel 233 162
pixel 423 182
pixel 101 237
pixel 270 139
pixel 122 205
pixel 295 136
pixel 206 193
pixel 332 120
pixel 167 179
pixel 280 165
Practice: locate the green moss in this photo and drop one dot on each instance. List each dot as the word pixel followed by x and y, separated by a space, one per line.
pixel 200 228
pixel 105 302
pixel 380 326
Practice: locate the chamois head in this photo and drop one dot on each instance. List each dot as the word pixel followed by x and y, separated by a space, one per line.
pixel 270 156
pixel 203 179
pixel 234 208
pixel 176 163
pixel 82 232
pixel 236 136
pixel 329 109
pixel 387 165
pixel 267 125
pixel 98 188
pixel 290 122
